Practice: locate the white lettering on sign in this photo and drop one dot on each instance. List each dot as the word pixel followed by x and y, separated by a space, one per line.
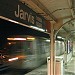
pixel 20 13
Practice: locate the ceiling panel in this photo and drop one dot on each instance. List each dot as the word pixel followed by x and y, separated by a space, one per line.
pixel 59 8
pixel 34 7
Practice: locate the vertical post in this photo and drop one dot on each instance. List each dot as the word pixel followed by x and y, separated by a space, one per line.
pixel 52 52
pixel 65 54
pixel 50 29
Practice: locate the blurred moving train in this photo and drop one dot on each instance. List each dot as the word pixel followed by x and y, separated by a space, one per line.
pixel 27 52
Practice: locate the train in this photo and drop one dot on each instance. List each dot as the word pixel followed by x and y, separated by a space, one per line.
pixel 27 52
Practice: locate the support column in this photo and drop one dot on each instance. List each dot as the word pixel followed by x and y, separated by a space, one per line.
pixel 50 29
pixel 65 54
pixel 52 52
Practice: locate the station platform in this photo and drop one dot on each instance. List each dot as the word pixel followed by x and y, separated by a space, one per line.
pixel 68 70
pixel 39 71
pixel 42 70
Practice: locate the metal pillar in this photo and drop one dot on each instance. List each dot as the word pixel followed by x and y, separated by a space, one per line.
pixel 65 54
pixel 52 52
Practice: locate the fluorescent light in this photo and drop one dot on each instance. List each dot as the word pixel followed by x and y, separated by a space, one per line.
pixel 30 38
pixel 47 40
pixel 19 38
pixel 59 37
pixel 13 21
pixel 63 38
pixel 58 41
pixel 10 38
pixel 37 28
pixel 16 38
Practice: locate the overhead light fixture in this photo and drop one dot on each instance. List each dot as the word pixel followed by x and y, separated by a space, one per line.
pixel 59 37
pixel 13 21
pixel 16 38
pixel 63 38
pixel 57 41
pixel 47 40
pixel 37 28
pixel 30 38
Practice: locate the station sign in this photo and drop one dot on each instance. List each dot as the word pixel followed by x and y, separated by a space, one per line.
pixel 15 10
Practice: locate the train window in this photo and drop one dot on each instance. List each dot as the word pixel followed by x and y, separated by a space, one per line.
pixel 19 47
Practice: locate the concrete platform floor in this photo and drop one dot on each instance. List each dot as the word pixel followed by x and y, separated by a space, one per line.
pixel 39 71
pixel 68 70
pixel 70 67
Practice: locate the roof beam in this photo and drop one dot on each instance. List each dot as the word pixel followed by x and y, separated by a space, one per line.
pixel 65 29
pixel 41 6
